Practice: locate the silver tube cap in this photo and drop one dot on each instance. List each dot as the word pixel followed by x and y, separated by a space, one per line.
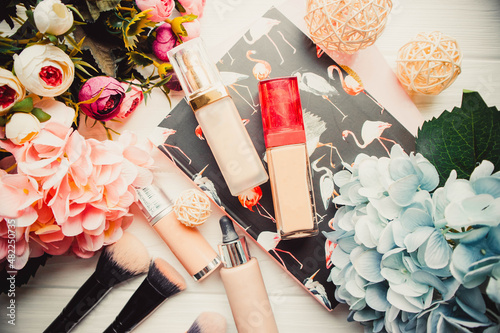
pixel 153 203
pixel 234 253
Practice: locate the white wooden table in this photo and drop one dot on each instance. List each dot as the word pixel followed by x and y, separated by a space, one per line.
pixel 475 25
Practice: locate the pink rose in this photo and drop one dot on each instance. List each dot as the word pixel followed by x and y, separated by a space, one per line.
pixel 164 42
pixel 133 97
pixel 193 30
pixel 107 105
pixel 161 9
pixel 193 7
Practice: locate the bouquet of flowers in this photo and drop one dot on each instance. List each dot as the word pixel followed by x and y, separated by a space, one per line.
pixel 61 61
pixel 414 257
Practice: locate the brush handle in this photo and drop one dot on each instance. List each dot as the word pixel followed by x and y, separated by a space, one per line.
pixel 140 305
pixel 89 294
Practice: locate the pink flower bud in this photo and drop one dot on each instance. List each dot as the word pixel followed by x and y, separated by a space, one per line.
pixel 193 7
pixel 107 105
pixel 133 98
pixel 164 42
pixel 192 28
pixel 160 9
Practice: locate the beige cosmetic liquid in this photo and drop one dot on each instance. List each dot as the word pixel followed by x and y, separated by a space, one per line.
pixel 244 285
pixel 186 243
pixel 218 117
pixel 287 158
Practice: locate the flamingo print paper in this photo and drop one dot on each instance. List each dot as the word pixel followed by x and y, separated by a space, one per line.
pixel 341 120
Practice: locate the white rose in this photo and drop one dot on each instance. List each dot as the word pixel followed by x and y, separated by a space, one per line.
pixel 58 111
pixel 11 91
pixel 53 17
pixel 22 127
pixel 44 70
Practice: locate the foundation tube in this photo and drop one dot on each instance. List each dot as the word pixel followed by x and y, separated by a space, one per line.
pixel 244 285
pixel 222 127
pixel 287 158
pixel 186 243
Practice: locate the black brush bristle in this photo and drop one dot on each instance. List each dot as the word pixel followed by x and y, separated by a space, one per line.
pixel 165 285
pixel 208 322
pixel 122 261
pixel 162 282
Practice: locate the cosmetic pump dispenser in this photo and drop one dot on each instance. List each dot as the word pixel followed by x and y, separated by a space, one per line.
pixel 244 285
pixel 287 158
pixel 186 243
pixel 218 117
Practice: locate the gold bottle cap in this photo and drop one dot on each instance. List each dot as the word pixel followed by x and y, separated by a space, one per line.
pixel 197 74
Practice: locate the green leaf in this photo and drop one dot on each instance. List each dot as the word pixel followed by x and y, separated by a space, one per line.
pixel 135 27
pixel 101 52
pixel 41 115
pixel 97 7
pixel 52 38
pixel 179 7
pixel 139 23
pixel 139 59
pixel 3 121
pixel 459 140
pixel 30 16
pixel 26 105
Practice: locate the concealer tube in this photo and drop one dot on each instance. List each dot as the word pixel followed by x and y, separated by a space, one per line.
pixel 186 243
pixel 287 158
pixel 244 285
pixel 214 109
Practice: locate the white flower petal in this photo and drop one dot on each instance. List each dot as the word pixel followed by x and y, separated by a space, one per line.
pixel 485 169
pixel 401 302
pixel 403 190
pixel 368 266
pixel 376 297
pixel 401 168
pixel 386 240
pixel 487 185
pixel 437 251
pixel 414 240
pixel 493 290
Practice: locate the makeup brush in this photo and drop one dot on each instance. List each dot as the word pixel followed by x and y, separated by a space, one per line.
pixel 208 322
pixel 162 282
pixel 118 262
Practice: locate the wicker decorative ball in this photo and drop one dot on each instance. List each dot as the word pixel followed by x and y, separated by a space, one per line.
pixel 192 208
pixel 346 25
pixel 429 63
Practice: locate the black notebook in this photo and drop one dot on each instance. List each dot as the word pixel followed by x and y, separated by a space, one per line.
pixel 341 120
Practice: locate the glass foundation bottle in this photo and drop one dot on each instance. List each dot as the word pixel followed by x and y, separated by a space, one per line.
pixel 244 284
pixel 287 158
pixel 218 117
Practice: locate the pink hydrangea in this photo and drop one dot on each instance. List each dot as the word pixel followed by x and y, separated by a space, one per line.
pixel 195 7
pixel 133 98
pixel 164 42
pixel 160 9
pixel 70 193
pixel 107 104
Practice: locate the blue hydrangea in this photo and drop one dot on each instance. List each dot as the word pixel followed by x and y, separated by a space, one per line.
pixel 405 247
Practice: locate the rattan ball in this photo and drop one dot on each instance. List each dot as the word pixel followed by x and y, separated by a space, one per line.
pixel 429 63
pixel 192 208
pixel 346 25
